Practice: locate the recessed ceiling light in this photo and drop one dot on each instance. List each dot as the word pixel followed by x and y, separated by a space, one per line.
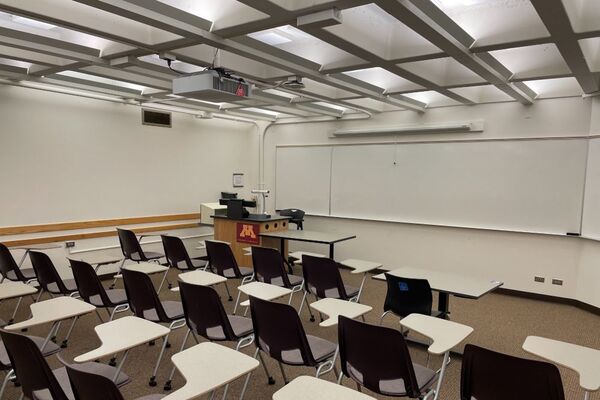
pixel 32 22
pixel 270 37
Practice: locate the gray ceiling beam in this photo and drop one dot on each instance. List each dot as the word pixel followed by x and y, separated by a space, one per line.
pixel 352 48
pixel 426 19
pixel 165 20
pixel 44 71
pixel 555 18
pixel 280 16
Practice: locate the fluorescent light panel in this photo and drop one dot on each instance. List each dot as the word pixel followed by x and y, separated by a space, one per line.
pixel 99 79
pixel 32 22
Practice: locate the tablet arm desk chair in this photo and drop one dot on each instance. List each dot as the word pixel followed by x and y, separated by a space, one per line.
pixel 488 375
pixel 132 250
pixel 377 358
pixel 323 280
pixel 11 271
pixel 269 267
pixel 206 316
pixel 279 333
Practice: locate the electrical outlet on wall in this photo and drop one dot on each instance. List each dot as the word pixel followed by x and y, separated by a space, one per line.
pixel 558 282
pixel 539 279
pixel 69 245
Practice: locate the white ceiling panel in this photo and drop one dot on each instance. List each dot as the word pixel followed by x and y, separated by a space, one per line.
pixel 384 79
pixel 443 71
pixel 378 32
pixel 532 61
pixel 560 87
pixel 495 21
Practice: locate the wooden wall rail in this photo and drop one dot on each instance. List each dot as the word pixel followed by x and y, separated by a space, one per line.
pixel 102 223
pixel 91 235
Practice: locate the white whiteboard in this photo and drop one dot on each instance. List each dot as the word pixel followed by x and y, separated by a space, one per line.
pixel 591 209
pixel 517 185
pixel 303 179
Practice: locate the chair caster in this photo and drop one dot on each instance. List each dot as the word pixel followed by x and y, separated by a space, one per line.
pixel 113 362
pixel 170 286
pixel 168 345
pixel 151 343
pixel 10 321
pixel 63 345
pixel 167 386
pixel 53 338
pixel 312 318
pixel 271 380
pixel 230 298
pixel 152 381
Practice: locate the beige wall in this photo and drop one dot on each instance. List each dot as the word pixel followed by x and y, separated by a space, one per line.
pixel 66 158
pixel 514 258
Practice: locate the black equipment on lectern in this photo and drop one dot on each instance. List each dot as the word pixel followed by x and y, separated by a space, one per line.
pixel 236 207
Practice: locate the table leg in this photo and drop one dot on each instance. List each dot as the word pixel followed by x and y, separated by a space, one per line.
pixel 586 396
pixel 120 366
pixel 444 304
pixel 281 250
pixel 331 251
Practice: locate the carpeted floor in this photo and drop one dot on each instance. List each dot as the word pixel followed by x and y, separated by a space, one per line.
pixel 501 323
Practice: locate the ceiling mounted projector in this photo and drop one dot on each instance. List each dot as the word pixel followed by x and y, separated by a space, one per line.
pixel 294 83
pixel 212 85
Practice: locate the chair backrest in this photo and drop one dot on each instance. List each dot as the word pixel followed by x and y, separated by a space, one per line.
pixel 46 272
pixel 90 386
pixel 221 257
pixel 204 312
pixel 88 283
pixel 130 246
pixel 407 296
pixel 8 263
pixel 176 253
pixel 322 277
pixel 488 375
pixel 279 332
pixel 268 265
pixel 376 354
pixel 31 368
pixel 143 300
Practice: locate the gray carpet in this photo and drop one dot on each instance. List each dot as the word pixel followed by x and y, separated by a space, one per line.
pixel 501 323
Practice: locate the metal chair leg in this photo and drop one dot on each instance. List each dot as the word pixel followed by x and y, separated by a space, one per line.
pixel 228 292
pixel 168 382
pixel 271 381
pixel 12 318
pixel 285 379
pixel 152 381
pixel 64 342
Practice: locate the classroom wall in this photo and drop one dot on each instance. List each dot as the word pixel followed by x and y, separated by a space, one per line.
pixel 514 258
pixel 65 158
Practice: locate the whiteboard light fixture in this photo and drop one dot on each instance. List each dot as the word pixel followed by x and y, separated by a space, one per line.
pixel 476 126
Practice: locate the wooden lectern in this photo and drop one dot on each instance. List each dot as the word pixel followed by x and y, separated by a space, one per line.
pixel 245 232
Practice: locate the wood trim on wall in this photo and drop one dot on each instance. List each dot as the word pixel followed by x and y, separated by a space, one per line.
pixel 101 223
pixel 98 234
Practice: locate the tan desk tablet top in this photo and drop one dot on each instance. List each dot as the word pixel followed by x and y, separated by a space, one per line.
pixel 10 290
pixel 445 334
pixel 311 388
pixel 333 308
pixel 56 309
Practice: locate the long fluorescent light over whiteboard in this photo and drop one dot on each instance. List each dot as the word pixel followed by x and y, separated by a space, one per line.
pixel 473 126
